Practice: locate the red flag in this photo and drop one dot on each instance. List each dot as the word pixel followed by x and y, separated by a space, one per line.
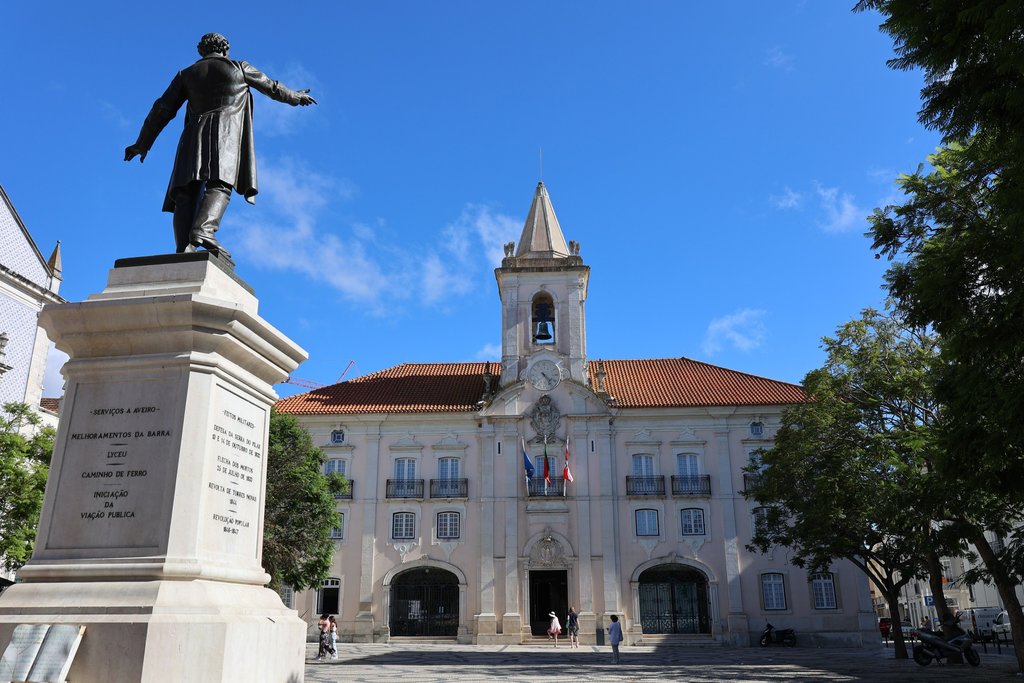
pixel 567 473
pixel 547 471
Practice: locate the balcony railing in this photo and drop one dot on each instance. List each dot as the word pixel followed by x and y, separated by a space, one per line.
pixel 404 488
pixel 346 495
pixel 538 489
pixel 449 488
pixel 645 486
pixel 691 485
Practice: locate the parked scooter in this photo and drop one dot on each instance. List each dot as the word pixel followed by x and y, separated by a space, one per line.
pixel 773 636
pixel 933 645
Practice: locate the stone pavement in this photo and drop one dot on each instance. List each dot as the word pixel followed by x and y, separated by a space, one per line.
pixel 423 663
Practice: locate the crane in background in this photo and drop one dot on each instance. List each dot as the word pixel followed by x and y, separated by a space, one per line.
pixel 312 384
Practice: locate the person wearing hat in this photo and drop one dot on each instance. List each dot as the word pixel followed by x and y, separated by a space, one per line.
pixel 554 628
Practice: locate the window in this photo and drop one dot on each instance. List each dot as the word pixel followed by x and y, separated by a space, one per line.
pixel 403 526
pixel 448 477
pixel 405 478
pixel 448 525
pixel 646 522
pixel 327 596
pixel 687 465
pixel 760 519
pixel 336 466
pixel 338 532
pixel 773 591
pixel 287 594
pixel 757 429
pixel 692 521
pixel 643 465
pixel 824 589
pixel 337 436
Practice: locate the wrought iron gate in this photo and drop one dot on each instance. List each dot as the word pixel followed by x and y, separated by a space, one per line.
pixel 425 602
pixel 674 601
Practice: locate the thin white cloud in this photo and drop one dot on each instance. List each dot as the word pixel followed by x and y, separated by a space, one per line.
pixel 359 261
pixel 787 200
pixel 777 59
pixel 53 381
pixel 743 330
pixel 841 214
pixel 490 352
pixel 279 119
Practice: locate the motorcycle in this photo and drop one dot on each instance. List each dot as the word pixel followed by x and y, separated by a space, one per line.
pixel 773 636
pixel 934 645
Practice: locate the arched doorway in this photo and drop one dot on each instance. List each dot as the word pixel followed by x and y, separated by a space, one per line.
pixel 425 602
pixel 674 599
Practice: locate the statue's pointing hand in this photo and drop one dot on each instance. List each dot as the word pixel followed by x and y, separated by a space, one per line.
pixel 131 151
pixel 305 98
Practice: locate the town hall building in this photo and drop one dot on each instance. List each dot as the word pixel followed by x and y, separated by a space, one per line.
pixel 486 495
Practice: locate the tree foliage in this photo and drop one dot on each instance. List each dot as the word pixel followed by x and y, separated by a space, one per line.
pixel 849 475
pixel 300 507
pixel 25 452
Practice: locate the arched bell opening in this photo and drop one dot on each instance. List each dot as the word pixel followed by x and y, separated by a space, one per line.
pixel 542 322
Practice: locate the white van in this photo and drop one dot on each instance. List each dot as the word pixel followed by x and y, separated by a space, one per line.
pixel 977 621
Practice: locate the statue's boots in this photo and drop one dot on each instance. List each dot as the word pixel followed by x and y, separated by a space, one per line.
pixel 207 219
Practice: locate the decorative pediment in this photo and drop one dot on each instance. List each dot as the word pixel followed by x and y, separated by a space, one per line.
pixel 450 443
pixel 548 552
pixel 407 443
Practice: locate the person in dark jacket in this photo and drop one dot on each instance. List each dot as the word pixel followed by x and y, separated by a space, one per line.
pixel 216 151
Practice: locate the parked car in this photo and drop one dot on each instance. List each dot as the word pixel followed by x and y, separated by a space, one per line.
pixel 1001 626
pixel 978 621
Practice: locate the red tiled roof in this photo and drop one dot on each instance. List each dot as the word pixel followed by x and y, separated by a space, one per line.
pixel 456 387
pixel 682 382
pixel 51 404
pixel 406 388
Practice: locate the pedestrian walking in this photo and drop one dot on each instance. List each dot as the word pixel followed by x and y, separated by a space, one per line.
pixel 615 637
pixel 572 627
pixel 334 637
pixel 554 628
pixel 323 627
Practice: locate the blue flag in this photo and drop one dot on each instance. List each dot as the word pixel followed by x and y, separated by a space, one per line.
pixel 527 465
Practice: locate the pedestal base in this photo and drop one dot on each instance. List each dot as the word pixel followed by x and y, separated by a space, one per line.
pixel 161 631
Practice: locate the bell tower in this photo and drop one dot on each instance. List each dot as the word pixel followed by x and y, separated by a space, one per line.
pixel 543 283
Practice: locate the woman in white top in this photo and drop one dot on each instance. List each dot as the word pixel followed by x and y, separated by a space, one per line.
pixel 555 628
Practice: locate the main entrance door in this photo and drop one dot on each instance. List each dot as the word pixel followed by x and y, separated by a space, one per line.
pixel 674 599
pixel 425 602
pixel 549 592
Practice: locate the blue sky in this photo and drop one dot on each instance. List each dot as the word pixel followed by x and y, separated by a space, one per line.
pixel 716 161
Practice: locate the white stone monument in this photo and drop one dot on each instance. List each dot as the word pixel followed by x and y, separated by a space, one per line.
pixel 152 525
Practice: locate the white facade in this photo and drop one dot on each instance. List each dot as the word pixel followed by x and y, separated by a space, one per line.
pixel 27 283
pixel 444 536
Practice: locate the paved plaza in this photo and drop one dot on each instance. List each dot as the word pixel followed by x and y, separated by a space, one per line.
pixel 422 663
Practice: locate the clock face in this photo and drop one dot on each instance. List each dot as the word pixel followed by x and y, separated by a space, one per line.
pixel 544 375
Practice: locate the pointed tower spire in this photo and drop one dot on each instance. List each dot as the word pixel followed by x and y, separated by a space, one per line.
pixel 542 236
pixel 54 264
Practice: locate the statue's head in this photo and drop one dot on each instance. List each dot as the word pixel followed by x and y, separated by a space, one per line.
pixel 211 43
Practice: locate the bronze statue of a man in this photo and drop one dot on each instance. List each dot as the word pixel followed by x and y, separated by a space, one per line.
pixel 216 151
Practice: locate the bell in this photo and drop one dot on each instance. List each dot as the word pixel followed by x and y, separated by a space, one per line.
pixel 543 331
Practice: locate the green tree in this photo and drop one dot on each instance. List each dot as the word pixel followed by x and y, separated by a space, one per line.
pixel 25 452
pixel 849 473
pixel 300 507
pixel 958 246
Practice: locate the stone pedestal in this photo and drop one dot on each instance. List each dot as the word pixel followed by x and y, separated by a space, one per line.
pixel 152 525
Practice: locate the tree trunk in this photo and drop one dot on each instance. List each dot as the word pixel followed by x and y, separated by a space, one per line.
pixel 1007 591
pixel 939 596
pixel 892 597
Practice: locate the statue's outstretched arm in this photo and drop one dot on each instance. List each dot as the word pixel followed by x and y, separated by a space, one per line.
pixel 163 112
pixel 275 89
